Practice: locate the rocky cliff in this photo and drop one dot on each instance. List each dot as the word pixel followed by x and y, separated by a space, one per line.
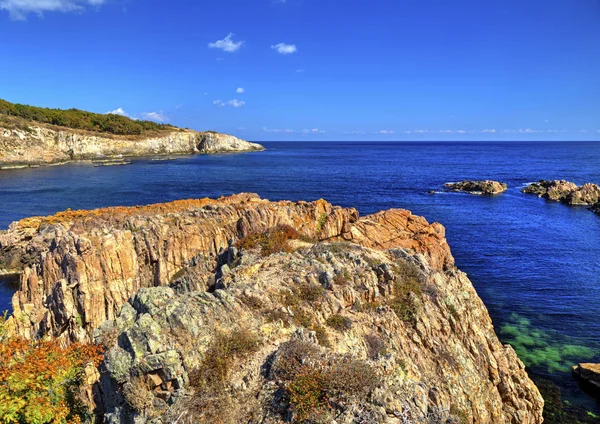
pixel 36 144
pixel 245 310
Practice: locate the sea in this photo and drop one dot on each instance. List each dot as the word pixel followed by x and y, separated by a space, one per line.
pixel 535 263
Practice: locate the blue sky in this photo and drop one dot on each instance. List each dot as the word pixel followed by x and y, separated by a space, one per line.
pixel 315 69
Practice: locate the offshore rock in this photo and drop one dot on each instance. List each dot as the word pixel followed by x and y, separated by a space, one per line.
pixel 78 268
pixel 487 187
pixel 49 145
pixel 565 192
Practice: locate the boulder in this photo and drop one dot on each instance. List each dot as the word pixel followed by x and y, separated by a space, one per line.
pixel 589 373
pixel 487 187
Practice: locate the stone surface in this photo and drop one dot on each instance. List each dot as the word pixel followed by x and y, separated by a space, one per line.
pixel 566 192
pixel 157 284
pixel 41 145
pixel 589 373
pixel 80 267
pixel 447 363
pixel 487 187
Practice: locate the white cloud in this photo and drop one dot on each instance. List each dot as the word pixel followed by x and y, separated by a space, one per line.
pixel 299 71
pixel 227 44
pixel 155 116
pixel 241 128
pixel 386 132
pixel 236 103
pixel 283 48
pixel 528 131
pixel 421 131
pixel 446 131
pixel 489 130
pixel 274 130
pixel 314 131
pixel 583 131
pixel 118 111
pixel 240 90
pixel 19 9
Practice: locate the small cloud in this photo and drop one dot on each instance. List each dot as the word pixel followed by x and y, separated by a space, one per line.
pixel 236 103
pixel 178 106
pixel 421 131
pixel 118 111
pixel 313 131
pixel 241 128
pixel 240 90
pixel 283 48
pixel 546 121
pixel 583 131
pixel 19 9
pixel 528 131
pixel 155 116
pixel 386 132
pixel 299 71
pixel 227 44
pixel 461 131
pixel 489 130
pixel 274 130
pixel 446 131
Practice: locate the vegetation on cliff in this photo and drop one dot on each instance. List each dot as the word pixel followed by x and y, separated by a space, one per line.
pixel 81 120
pixel 43 382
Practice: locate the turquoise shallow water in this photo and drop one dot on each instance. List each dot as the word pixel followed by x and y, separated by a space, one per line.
pixel 536 264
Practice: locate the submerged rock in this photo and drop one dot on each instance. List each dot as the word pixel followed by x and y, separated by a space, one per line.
pixel 567 192
pixel 487 187
pixel 589 373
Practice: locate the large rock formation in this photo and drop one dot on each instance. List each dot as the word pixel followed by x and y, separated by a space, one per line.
pixel 487 187
pixel 565 192
pixel 44 145
pixel 366 319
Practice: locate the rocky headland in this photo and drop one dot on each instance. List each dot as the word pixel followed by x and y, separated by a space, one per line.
pixel 487 187
pixel 31 144
pixel 567 192
pixel 244 310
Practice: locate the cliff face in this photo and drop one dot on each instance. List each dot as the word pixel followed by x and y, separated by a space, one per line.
pixel 40 145
pixel 371 309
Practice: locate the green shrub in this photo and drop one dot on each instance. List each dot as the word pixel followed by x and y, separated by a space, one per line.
pixel 316 385
pixel 82 120
pixel 339 322
pixel 271 241
pixel 214 370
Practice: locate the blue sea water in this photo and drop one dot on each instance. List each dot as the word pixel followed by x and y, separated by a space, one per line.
pixel 536 264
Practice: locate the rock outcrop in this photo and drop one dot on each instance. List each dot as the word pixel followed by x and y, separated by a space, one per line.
pixel 566 192
pixel 487 187
pixel 365 319
pixel 44 145
pixel 589 373
pixel 80 267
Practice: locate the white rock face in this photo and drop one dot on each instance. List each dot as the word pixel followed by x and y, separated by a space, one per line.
pixel 39 145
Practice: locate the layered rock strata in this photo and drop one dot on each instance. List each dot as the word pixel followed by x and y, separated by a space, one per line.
pixel 372 306
pixel 80 267
pixel 40 145
pixel 487 187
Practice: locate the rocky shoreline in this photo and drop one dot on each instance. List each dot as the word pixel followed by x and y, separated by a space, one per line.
pixel 37 145
pixel 386 326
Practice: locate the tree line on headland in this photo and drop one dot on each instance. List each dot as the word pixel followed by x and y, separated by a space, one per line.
pixel 81 120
